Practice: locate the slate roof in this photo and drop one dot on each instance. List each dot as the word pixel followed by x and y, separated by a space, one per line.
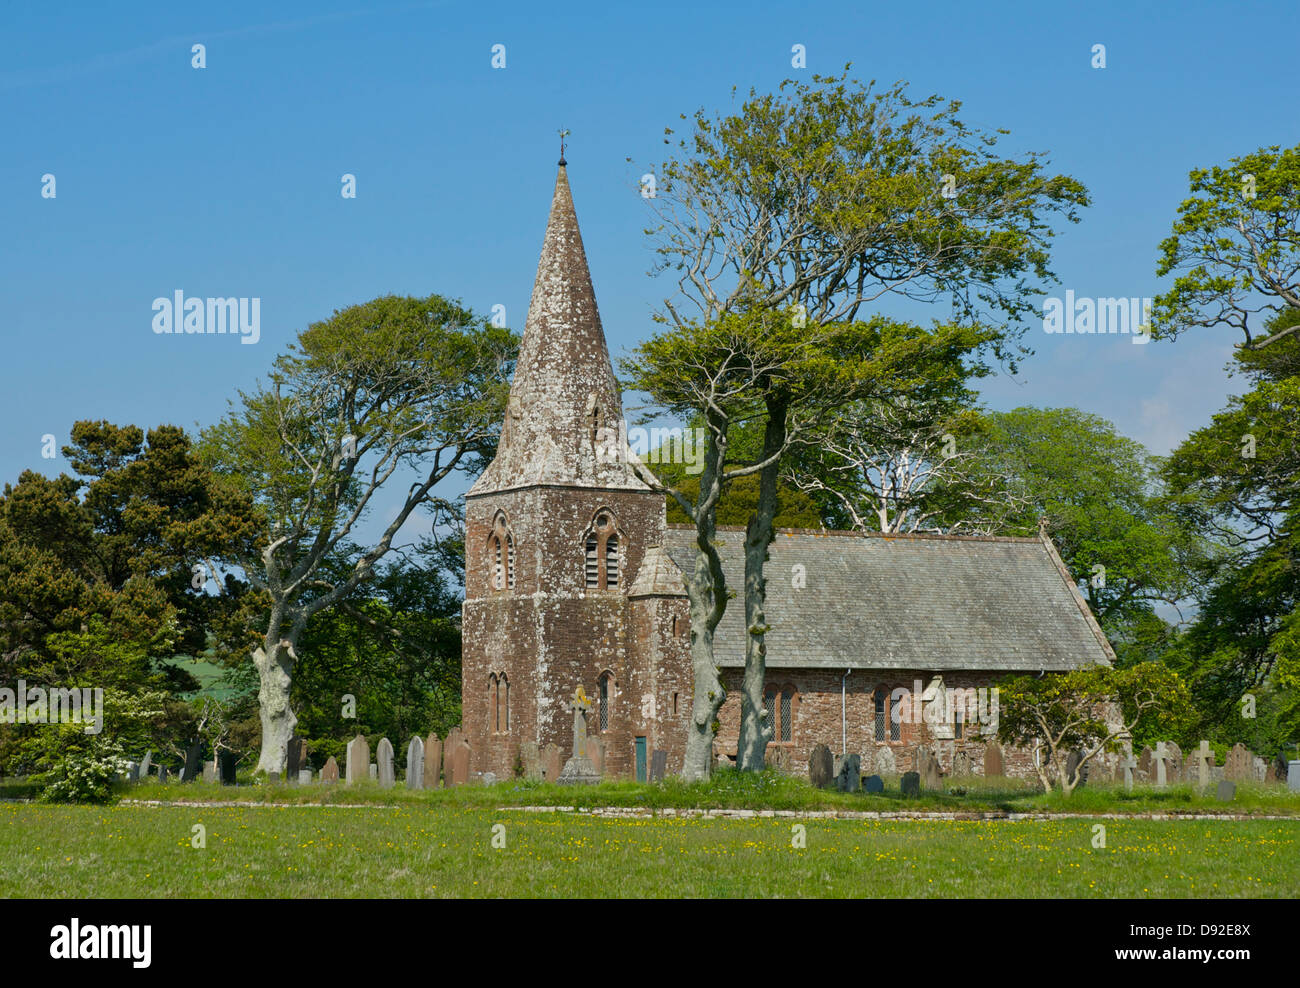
pixel 907 602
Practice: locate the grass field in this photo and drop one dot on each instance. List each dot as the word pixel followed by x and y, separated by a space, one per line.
pixel 443 850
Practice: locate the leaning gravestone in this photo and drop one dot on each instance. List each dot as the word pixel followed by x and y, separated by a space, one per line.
pixel 146 763
pixel 849 778
pixel 432 761
pixel 330 773
pixel 820 764
pixel 530 758
pixel 873 783
pixel 551 762
pixel 992 761
pixel 658 765
pixel 415 764
pixel 226 764
pixel 358 760
pixel 911 783
pixel 1227 791
pixel 384 763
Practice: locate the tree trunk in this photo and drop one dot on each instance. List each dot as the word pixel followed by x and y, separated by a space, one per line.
pixel 755 718
pixel 706 589
pixel 275 670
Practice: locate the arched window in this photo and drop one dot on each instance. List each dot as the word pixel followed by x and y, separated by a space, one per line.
pixel 782 703
pixel 604 699
pixel 888 721
pixel 602 563
pixel 499 703
pixel 501 553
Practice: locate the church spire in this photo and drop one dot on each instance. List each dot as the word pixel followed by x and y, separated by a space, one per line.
pixel 564 400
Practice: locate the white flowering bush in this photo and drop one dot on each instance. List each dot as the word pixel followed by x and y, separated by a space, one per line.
pixel 84 774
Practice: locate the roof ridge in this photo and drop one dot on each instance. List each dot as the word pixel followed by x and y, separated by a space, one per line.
pixel 849 533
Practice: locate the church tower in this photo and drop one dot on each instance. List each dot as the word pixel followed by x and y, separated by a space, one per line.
pixel 556 532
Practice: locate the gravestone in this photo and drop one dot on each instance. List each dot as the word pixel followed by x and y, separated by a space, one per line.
pixel 460 764
pixel 304 776
pixel 132 771
pixel 1147 765
pixel 884 763
pixel 415 764
pixel 297 757
pixel 432 761
pixel 374 772
pixel 1258 768
pixel 1204 764
pixel 1161 765
pixel 1173 762
pixel 658 765
pixel 836 762
pixel 873 783
pixel 596 752
pixel 992 761
pixel 489 778
pixel 780 758
pixel 384 763
pixel 911 783
pixel 454 737
pixel 530 757
pixel 146 763
pixel 1236 766
pixel 1277 770
pixel 820 764
pixel 358 760
pixel 209 771
pixel 579 770
pixel 849 778
pixel 961 764
pixel 273 778
pixel 931 776
pixel 226 762
pixel 193 762
pixel 551 762
pixel 330 773
pixel 1293 776
pixel 162 773
pixel 449 747
pixel 1128 765
pixel 1227 791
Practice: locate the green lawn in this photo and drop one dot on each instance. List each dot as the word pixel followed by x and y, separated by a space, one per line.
pixel 430 849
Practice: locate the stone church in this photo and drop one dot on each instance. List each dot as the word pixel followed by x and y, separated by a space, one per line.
pixel 574 578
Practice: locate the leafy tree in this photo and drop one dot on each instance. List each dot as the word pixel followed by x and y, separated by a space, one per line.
pixel 1091 711
pixel 395 385
pixel 807 204
pixel 1235 250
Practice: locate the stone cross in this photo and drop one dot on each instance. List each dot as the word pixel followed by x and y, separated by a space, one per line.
pixel 1204 756
pixel 1161 777
pixel 579 705
pixel 1128 764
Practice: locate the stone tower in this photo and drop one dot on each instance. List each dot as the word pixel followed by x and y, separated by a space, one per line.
pixel 556 532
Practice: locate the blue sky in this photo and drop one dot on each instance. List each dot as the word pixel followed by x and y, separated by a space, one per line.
pixel 225 180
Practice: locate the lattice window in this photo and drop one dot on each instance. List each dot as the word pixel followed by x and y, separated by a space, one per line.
pixel 603 692
pixel 881 715
pixel 786 716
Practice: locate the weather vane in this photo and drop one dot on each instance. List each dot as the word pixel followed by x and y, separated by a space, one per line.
pixel 563 134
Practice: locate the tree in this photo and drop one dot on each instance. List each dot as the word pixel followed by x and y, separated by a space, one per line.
pixel 1235 249
pixel 1090 711
pixel 812 202
pixel 394 385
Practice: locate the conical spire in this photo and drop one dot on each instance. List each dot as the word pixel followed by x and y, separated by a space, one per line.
pixel 564 396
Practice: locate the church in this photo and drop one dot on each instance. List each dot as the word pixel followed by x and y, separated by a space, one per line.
pixel 878 645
